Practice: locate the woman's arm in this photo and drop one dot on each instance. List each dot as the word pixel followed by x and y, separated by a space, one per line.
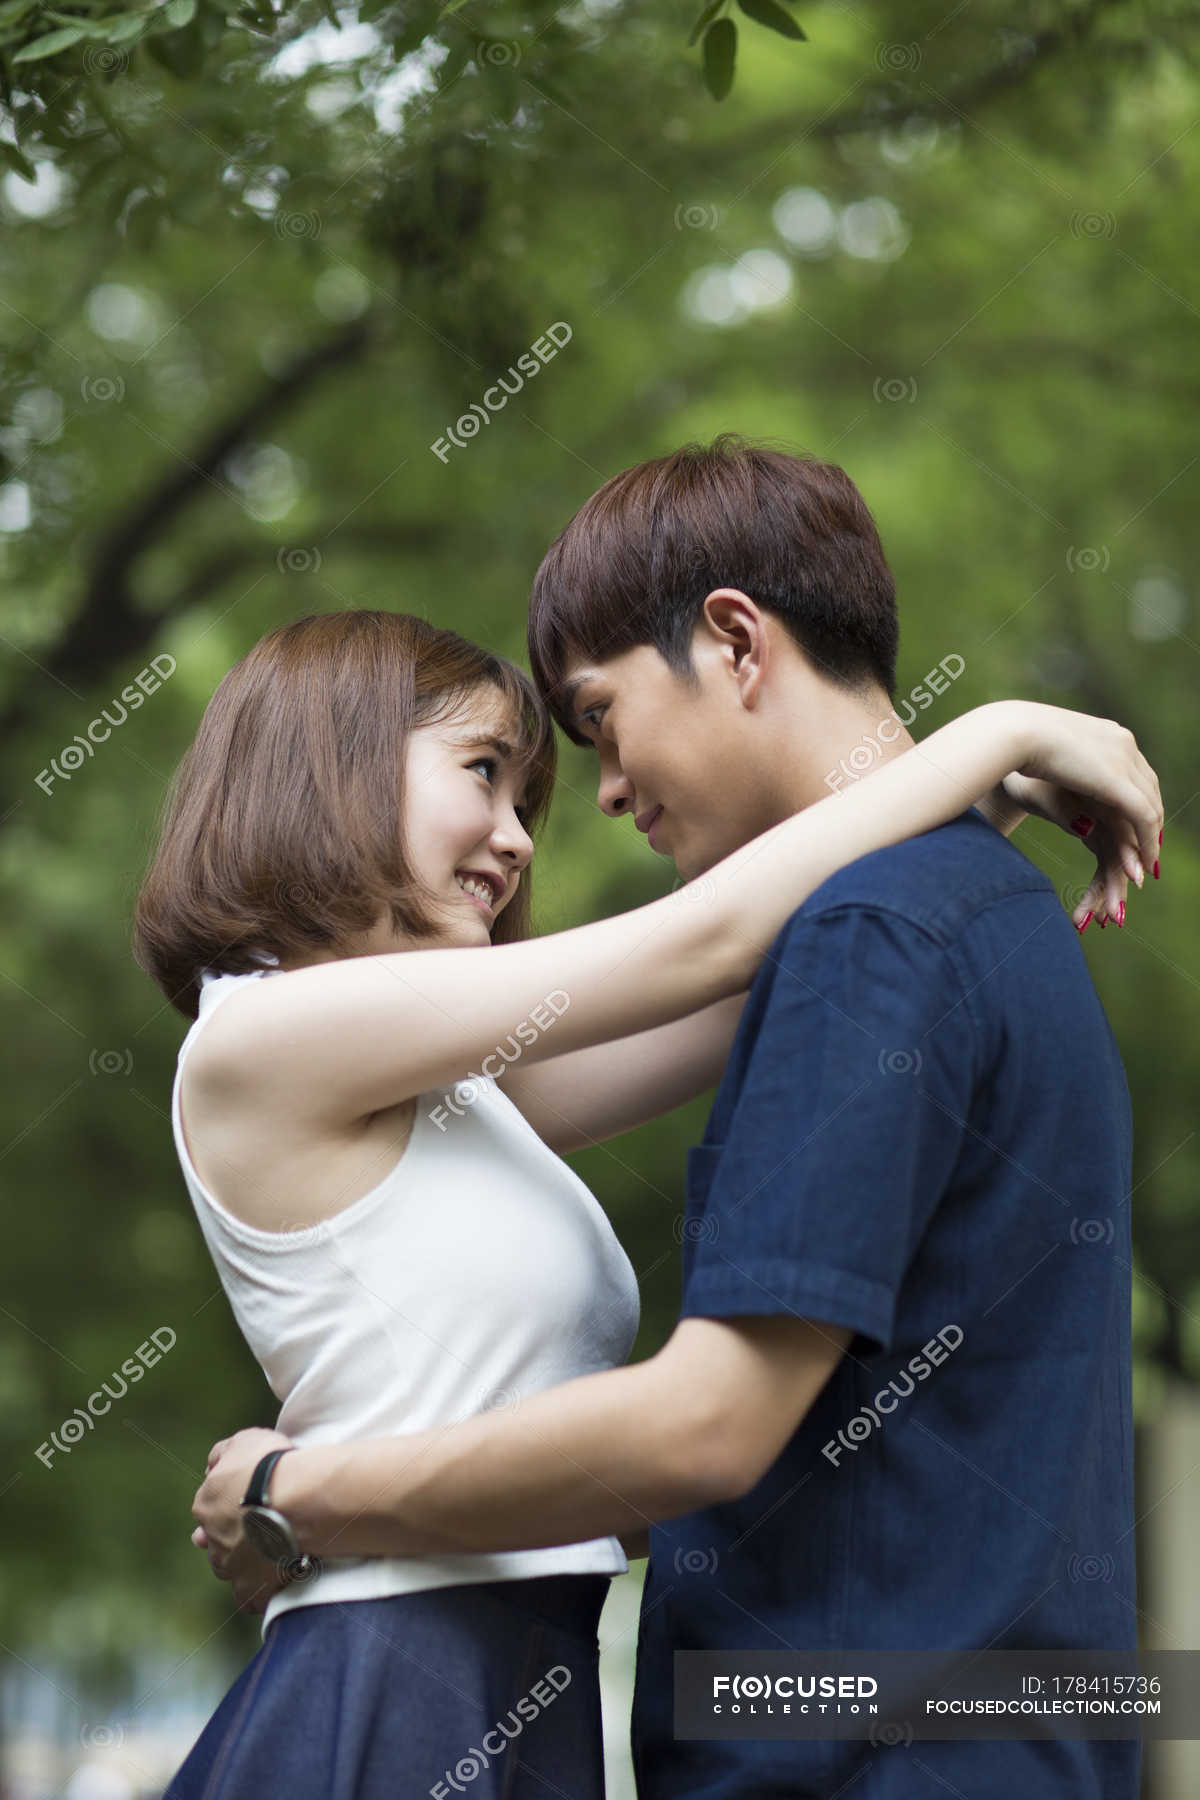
pixel 594 1094
pixel 344 1039
pixel 597 1093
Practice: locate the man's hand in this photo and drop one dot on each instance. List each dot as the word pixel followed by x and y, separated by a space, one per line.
pixel 217 1511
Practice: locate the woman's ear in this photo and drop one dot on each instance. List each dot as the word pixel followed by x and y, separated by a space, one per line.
pixel 736 628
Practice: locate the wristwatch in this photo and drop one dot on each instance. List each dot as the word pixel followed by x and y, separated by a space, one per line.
pixel 265 1528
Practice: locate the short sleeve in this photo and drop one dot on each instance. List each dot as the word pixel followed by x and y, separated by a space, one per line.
pixel 844 1132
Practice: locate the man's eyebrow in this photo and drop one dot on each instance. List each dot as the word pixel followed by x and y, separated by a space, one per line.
pixel 569 692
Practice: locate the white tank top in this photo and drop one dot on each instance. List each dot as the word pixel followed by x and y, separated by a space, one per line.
pixel 480 1270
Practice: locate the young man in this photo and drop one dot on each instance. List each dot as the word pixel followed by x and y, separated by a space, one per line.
pixel 902 1418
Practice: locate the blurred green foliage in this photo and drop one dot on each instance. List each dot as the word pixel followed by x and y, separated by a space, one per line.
pixel 56 61
pixel 257 274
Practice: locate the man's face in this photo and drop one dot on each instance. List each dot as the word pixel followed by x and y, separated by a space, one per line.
pixel 680 757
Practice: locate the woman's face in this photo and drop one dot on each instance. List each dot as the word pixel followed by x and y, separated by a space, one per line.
pixel 465 790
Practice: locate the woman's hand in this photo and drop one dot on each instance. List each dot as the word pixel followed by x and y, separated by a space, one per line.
pixel 218 1513
pixel 1083 769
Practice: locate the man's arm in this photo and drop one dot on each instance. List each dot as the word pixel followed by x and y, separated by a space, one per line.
pixel 606 1454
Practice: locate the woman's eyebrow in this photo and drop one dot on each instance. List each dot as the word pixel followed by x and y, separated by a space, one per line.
pixel 486 741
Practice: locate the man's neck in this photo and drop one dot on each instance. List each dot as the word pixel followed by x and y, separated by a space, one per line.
pixel 843 738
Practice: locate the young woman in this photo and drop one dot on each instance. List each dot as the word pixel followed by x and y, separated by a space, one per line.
pixel 354 1109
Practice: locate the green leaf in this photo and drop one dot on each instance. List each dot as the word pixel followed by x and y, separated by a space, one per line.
pixel 503 89
pixel 17 160
pixel 258 16
pixel 720 53
pixel 448 72
pixel 409 34
pixel 178 12
pixel 772 15
pixel 121 28
pixel 50 44
pixel 181 52
pixel 706 18
pixel 551 90
pixel 139 217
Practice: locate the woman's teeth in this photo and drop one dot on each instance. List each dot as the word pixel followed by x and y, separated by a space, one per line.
pixel 481 890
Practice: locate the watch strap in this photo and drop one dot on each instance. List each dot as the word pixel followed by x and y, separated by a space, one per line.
pixel 256 1491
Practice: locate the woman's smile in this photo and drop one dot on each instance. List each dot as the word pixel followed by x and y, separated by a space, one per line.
pixel 483 890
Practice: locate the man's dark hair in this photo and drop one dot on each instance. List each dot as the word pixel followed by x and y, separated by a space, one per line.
pixel 638 559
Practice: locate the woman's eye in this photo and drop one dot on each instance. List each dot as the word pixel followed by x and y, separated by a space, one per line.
pixel 490 765
pixel 593 716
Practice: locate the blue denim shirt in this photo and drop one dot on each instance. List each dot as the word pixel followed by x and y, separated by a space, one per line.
pixel 923 1135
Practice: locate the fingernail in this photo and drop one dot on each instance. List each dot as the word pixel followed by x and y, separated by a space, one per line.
pixel 1082 824
pixel 1121 917
pixel 1139 874
pixel 1157 876
pixel 1082 928
pixel 1103 923
pixel 1160 840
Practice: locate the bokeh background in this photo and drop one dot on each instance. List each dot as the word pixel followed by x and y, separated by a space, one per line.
pixel 257 259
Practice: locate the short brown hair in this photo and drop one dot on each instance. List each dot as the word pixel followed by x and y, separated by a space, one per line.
pixel 638 559
pixel 283 829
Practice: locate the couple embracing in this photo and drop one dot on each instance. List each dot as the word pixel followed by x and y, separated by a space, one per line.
pixel 919 1101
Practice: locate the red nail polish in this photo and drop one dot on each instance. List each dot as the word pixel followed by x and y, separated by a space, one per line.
pixel 1160 840
pixel 1083 825
pixel 1157 876
pixel 1082 928
pixel 1103 923
pixel 1121 919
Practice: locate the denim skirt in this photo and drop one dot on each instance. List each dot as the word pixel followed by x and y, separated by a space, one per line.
pixel 488 1692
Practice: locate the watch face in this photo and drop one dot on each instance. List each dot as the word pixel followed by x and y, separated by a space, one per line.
pixel 268 1532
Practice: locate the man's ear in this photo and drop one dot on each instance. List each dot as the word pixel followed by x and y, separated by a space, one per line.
pixel 734 627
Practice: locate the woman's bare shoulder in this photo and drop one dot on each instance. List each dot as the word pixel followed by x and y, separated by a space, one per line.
pixel 271 1164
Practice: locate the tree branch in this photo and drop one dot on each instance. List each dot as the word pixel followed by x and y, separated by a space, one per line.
pixel 232 559
pixel 968 95
pixel 109 626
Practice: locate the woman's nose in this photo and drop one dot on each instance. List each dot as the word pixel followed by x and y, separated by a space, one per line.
pixel 513 842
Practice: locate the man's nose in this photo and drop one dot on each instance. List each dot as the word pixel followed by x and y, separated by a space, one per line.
pixel 614 795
